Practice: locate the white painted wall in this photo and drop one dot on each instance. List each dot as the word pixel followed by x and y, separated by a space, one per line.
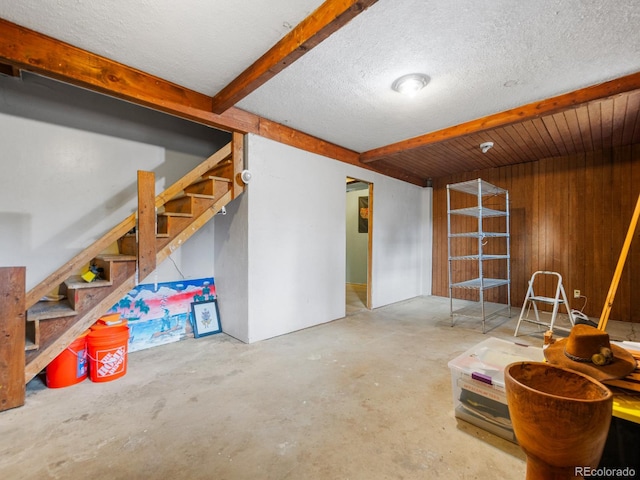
pixel 296 240
pixel 232 268
pixel 62 188
pixel 399 248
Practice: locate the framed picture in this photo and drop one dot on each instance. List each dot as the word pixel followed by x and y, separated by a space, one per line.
pixel 206 318
pixel 363 214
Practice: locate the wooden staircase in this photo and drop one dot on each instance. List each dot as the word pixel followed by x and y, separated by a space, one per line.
pixel 172 217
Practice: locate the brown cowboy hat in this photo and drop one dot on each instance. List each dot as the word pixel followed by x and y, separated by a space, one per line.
pixel 581 348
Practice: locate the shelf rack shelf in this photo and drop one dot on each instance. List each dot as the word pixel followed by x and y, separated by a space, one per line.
pixel 478 193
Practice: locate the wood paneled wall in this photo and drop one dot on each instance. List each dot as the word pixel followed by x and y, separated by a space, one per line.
pixel 570 215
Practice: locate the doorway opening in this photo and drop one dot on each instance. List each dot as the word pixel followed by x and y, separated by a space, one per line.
pixel 359 229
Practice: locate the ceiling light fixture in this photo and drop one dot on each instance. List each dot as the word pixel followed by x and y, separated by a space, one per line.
pixel 410 84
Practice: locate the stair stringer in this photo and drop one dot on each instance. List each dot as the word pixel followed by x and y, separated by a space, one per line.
pixel 47 354
pixel 183 236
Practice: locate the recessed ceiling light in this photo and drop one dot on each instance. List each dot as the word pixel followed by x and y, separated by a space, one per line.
pixel 410 84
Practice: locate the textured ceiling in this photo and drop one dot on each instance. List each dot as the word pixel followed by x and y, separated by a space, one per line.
pixel 483 57
pixel 199 44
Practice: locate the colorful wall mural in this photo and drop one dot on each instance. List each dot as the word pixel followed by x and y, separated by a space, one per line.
pixel 160 313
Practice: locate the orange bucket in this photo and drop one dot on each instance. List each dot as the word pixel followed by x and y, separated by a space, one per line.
pixel 70 367
pixel 107 352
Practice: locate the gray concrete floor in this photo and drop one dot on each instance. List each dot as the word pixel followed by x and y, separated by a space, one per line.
pixel 364 397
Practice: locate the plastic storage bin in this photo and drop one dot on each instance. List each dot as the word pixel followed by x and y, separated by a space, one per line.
pixel 477 381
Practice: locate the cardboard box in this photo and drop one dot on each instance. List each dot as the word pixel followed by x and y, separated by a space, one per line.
pixel 477 381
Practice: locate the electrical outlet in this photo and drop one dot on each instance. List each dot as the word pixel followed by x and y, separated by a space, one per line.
pixel 576 294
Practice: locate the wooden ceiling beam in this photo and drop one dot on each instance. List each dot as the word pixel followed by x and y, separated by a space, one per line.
pixel 515 115
pixel 32 51
pixel 325 20
pixel 21 48
pixel 289 136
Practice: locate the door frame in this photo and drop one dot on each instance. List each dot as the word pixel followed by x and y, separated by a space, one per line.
pixel 368 301
pixel 370 248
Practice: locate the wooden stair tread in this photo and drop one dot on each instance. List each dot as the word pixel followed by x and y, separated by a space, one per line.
pixel 175 214
pixel 77 282
pixel 117 258
pixel 186 195
pixel 219 179
pixel 29 345
pixel 202 195
pixel 48 310
pixel 206 186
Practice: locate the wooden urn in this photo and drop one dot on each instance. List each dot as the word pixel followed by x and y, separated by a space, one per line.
pixel 560 418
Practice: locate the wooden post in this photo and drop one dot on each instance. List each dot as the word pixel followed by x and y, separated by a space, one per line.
pixel 12 337
pixel 238 162
pixel 606 310
pixel 146 224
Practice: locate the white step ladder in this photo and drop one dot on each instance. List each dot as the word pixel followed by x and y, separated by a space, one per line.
pixel 531 299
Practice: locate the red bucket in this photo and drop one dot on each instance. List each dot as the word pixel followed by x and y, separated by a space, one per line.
pixel 107 352
pixel 70 367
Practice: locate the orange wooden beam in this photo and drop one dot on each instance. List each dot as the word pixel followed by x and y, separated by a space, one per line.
pixel 608 304
pixel 32 51
pixel 283 134
pixel 519 114
pixel 21 48
pixel 237 150
pixel 325 20
pixel 12 338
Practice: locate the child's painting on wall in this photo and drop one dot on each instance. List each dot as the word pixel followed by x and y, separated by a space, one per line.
pixel 160 313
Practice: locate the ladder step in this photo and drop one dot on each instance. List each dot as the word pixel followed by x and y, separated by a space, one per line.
pixel 549 300
pixel 532 298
